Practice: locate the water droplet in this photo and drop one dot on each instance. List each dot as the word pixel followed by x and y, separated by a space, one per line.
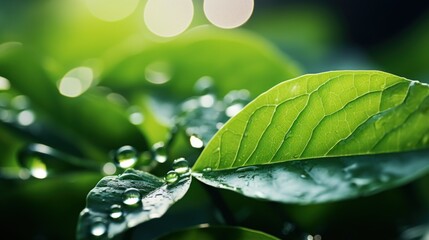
pixel 171 176
pixel 129 176
pixel 237 96
pixel 181 166
pixel 158 72
pixel 204 85
pixel 219 125
pixel 135 115
pixel 34 163
pixel 76 81
pixel 98 228
pixel 126 157
pixel 248 168
pixel 207 100
pixel 109 168
pixel 207 169
pixel 303 176
pixel 232 110
pixel 116 211
pixel 196 142
pixel 4 83
pixel 131 196
pixel 160 152
pixel 26 117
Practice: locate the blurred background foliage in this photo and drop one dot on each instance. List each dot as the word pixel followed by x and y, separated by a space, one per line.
pixel 132 83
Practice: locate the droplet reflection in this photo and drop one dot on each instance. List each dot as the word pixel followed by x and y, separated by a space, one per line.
pixel 131 196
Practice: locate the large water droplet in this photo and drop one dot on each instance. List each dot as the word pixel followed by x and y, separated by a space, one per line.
pixel 116 211
pixel 160 152
pixel 98 228
pixel 126 157
pixel 171 176
pixel 196 142
pixel 131 196
pixel 181 166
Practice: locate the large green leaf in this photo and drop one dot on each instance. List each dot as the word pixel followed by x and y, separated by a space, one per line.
pixel 232 58
pixel 217 232
pixel 338 113
pixel 118 203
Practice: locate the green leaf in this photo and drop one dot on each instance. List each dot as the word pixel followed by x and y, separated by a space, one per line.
pixel 218 232
pixel 338 113
pixel 118 203
pixel 322 180
pixel 205 51
pixel 82 120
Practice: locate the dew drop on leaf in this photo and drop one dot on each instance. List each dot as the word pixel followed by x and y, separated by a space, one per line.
pixel 160 152
pixel 126 157
pixel 131 196
pixel 171 176
pixel 116 211
pixel 207 100
pixel 232 110
pixel 34 163
pixel 181 166
pixel 204 85
pixel 98 228
pixel 196 142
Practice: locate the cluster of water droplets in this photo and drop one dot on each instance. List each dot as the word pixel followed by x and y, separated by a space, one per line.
pixel 16 110
pixel 180 168
pixel 129 157
pixel 203 115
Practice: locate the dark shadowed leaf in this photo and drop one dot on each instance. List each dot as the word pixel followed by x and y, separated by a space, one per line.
pixel 322 180
pixel 218 232
pixel 118 203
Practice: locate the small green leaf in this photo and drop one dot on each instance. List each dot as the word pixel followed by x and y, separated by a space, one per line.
pixel 338 113
pixel 321 180
pixel 218 232
pixel 118 203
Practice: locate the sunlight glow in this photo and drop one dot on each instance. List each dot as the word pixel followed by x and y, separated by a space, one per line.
pixel 168 18
pixel 228 13
pixel 76 81
pixel 111 10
